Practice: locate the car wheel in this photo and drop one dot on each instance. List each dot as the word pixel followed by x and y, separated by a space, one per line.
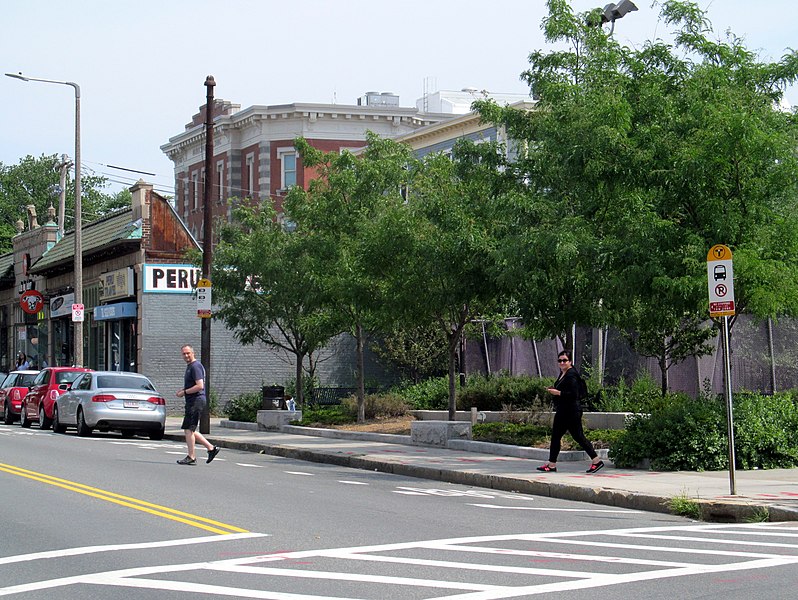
pixel 57 426
pixel 128 433
pixel 23 418
pixel 83 429
pixel 8 418
pixel 156 435
pixel 44 422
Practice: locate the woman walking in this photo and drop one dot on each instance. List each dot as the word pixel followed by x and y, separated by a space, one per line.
pixel 568 415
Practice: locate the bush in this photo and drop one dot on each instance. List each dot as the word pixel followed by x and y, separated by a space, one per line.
pixel 499 392
pixel 764 431
pixel 643 396
pixel 378 406
pixel 516 434
pixel 244 407
pixel 683 434
pixel 328 415
pixel 430 394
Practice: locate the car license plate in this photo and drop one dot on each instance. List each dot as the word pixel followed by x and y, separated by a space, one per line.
pixel 131 404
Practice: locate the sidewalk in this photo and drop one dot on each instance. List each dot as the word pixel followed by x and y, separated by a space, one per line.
pixel 775 490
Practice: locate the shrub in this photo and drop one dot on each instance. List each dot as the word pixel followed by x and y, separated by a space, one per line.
pixel 764 430
pixel 517 434
pixel 680 434
pixel 430 394
pixel 244 407
pixel 643 396
pixel 385 405
pixel 502 392
pixel 328 415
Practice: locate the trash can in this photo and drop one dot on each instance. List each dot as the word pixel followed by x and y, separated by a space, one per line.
pixel 272 393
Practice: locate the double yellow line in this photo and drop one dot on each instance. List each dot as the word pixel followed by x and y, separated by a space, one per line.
pixel 147 507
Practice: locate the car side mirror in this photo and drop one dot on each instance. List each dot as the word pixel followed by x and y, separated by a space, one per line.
pixel 64 386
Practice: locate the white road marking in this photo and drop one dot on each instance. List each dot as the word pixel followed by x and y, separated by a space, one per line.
pixel 298 473
pixel 352 482
pixel 540 508
pixel 493 551
pixel 249 465
pixel 7 560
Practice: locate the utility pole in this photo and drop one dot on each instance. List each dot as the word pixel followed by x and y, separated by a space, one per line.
pixel 207 250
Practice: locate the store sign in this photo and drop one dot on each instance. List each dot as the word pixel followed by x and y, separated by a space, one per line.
pixel 32 302
pixel 114 312
pixel 61 306
pixel 116 284
pixel 170 279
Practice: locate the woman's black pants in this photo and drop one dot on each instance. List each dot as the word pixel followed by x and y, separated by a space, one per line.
pixel 570 421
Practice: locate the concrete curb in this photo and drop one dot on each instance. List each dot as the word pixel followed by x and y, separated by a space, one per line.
pixel 728 511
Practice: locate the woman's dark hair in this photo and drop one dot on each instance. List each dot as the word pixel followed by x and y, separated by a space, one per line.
pixel 566 354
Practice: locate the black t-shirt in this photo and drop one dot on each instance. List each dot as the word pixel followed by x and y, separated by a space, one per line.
pixel 194 372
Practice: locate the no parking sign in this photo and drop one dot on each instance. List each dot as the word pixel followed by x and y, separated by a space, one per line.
pixel 78 312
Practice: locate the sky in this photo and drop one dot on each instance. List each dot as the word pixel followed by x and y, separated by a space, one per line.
pixel 141 64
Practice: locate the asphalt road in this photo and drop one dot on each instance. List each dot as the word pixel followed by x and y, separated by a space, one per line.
pixel 108 518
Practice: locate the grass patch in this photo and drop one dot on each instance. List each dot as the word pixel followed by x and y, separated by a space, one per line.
pixel 684 506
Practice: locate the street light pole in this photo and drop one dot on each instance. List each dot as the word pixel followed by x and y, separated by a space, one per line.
pixel 78 266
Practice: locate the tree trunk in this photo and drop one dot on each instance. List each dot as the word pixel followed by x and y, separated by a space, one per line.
pixel 663 367
pixel 361 374
pixel 299 391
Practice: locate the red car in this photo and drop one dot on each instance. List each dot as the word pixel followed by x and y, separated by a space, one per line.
pixel 50 383
pixel 12 391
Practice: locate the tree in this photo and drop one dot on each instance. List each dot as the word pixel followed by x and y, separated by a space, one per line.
pixel 267 289
pixel 332 216
pixel 437 250
pixel 662 152
pixel 36 181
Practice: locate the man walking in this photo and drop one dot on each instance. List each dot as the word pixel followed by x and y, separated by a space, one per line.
pixel 194 393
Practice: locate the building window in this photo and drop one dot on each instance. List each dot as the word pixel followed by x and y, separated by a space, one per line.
pixel 194 190
pixel 220 181
pixel 250 175
pixel 287 157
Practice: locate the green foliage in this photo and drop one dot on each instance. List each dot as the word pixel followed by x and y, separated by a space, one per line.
pixel 517 434
pixel 684 506
pixel 430 394
pixel 498 392
pixel 377 406
pixel 686 434
pixel 244 407
pixel 36 181
pixel 329 415
pixel 682 434
pixel 417 352
pixel 764 431
pixel 642 396
pixel 308 384
pixel 604 438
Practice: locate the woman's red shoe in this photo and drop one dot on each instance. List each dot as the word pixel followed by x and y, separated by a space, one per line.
pixel 547 469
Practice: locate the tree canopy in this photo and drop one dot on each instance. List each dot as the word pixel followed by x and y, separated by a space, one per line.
pixel 36 181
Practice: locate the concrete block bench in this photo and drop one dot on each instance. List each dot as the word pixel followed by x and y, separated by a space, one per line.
pixel 275 419
pixel 438 433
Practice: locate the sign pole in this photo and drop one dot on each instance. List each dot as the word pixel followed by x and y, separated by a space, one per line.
pixel 729 415
pixel 720 279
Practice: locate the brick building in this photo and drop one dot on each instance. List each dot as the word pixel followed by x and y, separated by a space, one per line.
pixel 254 155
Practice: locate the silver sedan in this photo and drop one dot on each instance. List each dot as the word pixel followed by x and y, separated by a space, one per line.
pixel 111 400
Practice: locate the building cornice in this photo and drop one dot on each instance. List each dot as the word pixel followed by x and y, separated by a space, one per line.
pixel 300 111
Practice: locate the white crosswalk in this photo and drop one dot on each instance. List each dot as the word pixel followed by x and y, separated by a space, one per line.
pixel 468 568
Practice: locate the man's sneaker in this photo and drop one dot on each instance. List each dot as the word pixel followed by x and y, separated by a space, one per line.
pixel 212 453
pixel 187 461
pixel 595 467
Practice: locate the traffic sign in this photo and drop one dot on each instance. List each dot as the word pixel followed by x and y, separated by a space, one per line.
pixel 720 279
pixel 78 313
pixel 204 298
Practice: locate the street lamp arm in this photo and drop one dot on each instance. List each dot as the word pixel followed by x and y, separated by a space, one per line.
pixel 26 78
